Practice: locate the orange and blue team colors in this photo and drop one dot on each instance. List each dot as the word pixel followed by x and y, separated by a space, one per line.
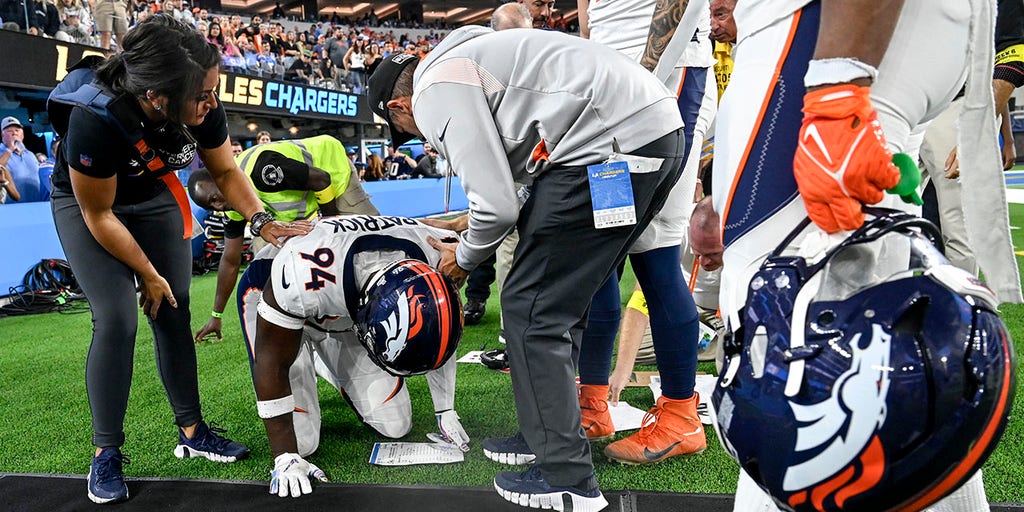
pixel 443 304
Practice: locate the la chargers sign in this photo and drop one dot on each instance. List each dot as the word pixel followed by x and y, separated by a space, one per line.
pixel 272 96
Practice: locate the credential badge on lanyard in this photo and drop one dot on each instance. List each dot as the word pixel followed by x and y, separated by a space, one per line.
pixel 611 195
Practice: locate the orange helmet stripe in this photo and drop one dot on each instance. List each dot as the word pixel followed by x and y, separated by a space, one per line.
pixel 442 301
pixel 956 476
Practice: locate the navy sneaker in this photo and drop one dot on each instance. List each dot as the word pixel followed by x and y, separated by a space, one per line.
pixel 106 480
pixel 207 442
pixel 508 450
pixel 473 311
pixel 528 489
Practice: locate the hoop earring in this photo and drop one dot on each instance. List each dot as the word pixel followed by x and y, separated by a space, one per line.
pixel 157 107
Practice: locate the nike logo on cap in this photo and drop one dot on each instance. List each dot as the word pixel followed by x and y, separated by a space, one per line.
pixel 284 284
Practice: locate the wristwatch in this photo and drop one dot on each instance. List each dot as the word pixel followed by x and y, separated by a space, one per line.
pixel 257 222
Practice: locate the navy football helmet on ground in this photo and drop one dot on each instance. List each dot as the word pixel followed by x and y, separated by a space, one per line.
pixel 409 318
pixel 878 377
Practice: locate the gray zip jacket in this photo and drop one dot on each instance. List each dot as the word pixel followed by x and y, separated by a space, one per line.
pixel 504 107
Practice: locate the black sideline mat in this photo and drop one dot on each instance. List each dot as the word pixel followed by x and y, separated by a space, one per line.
pixel 58 493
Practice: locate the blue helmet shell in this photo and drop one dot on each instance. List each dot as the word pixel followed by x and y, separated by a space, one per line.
pixel 409 318
pixel 886 398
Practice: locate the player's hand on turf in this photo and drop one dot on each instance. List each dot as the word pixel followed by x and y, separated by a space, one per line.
pixel 841 158
pixel 152 292
pixel 210 332
pixel 291 475
pixel 277 232
pixel 617 382
pixel 451 430
pixel 448 265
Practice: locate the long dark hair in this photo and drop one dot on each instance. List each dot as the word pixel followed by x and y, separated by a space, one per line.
pixel 220 35
pixel 162 55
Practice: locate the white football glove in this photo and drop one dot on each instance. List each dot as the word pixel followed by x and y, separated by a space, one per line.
pixel 291 476
pixel 451 430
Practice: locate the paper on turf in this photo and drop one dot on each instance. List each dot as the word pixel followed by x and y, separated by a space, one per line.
pixel 408 454
pixel 473 356
pixel 704 386
pixel 625 416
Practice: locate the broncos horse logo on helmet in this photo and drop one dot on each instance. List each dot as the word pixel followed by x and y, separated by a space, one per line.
pixel 409 318
pixel 845 423
pixel 404 322
pixel 877 377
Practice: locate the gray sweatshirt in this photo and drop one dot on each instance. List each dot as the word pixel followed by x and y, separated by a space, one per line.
pixel 504 107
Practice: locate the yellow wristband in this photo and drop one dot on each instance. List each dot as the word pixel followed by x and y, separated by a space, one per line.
pixel 216 314
pixel 638 302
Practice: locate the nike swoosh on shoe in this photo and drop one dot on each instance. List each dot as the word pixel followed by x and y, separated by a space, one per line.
pixel 652 456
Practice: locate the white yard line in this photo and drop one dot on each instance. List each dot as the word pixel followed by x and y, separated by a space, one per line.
pixel 1015 195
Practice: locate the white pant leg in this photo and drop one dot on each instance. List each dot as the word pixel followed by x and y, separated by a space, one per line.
pixel 750 497
pixel 939 140
pixel 306 419
pixel 380 399
pixel 503 262
pixel 503 258
pixel 921 73
pixel 970 497
pixel 669 226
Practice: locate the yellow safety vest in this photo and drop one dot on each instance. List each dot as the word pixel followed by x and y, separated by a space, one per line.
pixel 323 152
pixel 723 66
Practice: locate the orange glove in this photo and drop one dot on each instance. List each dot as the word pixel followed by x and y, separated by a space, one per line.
pixel 841 159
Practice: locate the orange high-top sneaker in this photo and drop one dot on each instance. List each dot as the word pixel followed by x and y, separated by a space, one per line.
pixel 597 422
pixel 670 428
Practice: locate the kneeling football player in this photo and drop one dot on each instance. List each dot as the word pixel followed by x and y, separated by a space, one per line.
pixel 358 302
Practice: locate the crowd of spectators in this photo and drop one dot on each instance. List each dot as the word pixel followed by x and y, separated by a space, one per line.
pixel 401 165
pixel 331 52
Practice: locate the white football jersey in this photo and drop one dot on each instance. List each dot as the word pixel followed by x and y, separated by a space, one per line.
pixel 751 17
pixel 318 276
pixel 625 24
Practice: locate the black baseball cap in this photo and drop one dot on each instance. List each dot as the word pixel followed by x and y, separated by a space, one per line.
pixel 381 83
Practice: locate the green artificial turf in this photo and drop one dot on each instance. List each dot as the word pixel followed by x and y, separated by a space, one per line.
pixel 47 429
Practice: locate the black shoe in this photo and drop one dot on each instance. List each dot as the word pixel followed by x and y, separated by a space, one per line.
pixel 508 450
pixel 474 311
pixel 528 489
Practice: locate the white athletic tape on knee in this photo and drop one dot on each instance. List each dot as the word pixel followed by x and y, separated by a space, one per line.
pixel 837 71
pixel 272 315
pixel 276 407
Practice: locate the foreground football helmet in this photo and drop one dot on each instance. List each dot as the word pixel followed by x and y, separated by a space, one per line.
pixel 878 377
pixel 409 318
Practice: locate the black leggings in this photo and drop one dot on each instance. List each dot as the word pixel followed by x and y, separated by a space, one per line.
pixel 110 286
